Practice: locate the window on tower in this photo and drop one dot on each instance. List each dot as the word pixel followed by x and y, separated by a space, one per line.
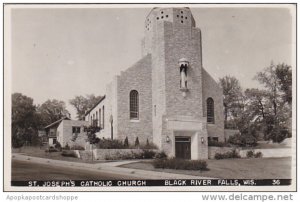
pixel 183 68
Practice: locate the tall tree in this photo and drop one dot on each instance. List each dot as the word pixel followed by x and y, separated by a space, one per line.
pixel 52 110
pixel 256 107
pixel 24 120
pixel 232 97
pixel 82 104
pixel 268 78
pixel 284 74
pixel 277 80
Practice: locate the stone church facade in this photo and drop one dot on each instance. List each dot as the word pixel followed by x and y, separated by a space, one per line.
pixel 167 97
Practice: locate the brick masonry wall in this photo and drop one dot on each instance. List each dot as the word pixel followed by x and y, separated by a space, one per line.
pixel 211 89
pixel 183 42
pixel 170 44
pixel 137 77
pixel 169 40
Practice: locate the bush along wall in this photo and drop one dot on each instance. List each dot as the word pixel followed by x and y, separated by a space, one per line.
pixel 228 155
pixel 253 154
pixel 123 154
pixel 180 164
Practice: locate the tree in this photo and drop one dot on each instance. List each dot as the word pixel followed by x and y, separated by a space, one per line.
pixel 277 80
pixel 82 104
pixel 137 142
pixel 24 120
pixel 284 74
pixel 51 111
pixel 232 97
pixel 256 100
pixel 91 134
pixel 126 143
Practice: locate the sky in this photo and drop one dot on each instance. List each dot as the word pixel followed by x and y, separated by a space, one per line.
pixel 58 53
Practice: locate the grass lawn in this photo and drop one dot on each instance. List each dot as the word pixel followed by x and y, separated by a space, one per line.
pixel 40 152
pixel 260 168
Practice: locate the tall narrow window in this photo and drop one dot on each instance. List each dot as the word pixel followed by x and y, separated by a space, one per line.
pixel 134 104
pixel 103 116
pixel 100 119
pixel 210 110
pixel 96 121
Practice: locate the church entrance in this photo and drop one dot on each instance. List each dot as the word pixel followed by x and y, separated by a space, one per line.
pixel 183 147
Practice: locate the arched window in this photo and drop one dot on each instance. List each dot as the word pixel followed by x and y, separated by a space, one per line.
pixel 134 104
pixel 210 110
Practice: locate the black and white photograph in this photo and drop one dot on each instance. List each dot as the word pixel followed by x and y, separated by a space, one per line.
pixel 150 97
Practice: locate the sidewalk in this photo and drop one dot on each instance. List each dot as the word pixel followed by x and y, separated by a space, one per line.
pixel 107 167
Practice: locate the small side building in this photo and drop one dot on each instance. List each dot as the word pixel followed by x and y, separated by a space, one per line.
pixel 67 132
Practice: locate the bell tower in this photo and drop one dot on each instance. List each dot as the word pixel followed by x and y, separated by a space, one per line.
pixel 177 16
pixel 174 43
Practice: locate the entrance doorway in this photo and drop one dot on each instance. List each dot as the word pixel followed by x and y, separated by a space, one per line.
pixel 183 147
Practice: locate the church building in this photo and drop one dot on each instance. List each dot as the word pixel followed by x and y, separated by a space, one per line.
pixel 167 97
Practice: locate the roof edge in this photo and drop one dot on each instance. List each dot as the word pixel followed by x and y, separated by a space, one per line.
pixel 95 105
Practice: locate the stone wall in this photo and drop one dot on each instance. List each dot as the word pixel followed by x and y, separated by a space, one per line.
pixel 267 153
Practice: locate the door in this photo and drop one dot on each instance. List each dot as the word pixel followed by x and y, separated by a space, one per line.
pixel 183 147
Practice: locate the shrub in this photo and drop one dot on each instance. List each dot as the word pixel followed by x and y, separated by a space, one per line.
pixel 67 147
pixel 212 143
pixel 51 149
pixel 58 146
pixel 122 156
pixel 235 139
pixel 110 144
pixel 258 155
pixel 160 155
pixel 17 142
pixel 242 140
pixel 69 153
pixel 250 154
pixel 228 155
pixel 126 143
pixel 180 164
pixel 148 146
pixel 137 142
pixel 148 154
pixel 249 140
pixel 145 154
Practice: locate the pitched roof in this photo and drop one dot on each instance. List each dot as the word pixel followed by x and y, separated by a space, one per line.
pixel 57 122
pixel 94 105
